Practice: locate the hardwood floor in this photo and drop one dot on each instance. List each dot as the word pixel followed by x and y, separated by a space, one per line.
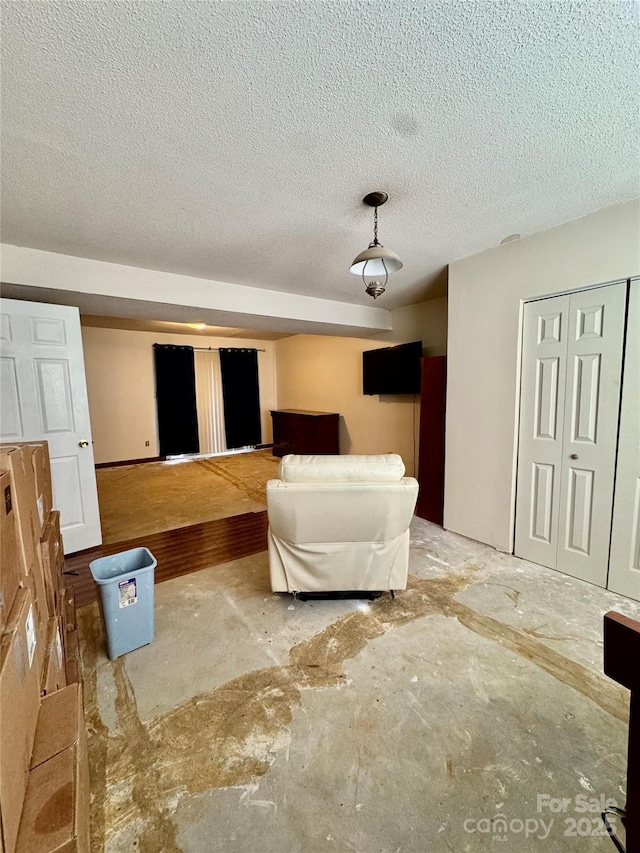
pixel 178 552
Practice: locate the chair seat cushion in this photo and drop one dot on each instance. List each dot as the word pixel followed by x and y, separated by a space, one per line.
pixel 382 468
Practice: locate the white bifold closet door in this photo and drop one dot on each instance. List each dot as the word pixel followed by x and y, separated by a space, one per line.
pixel 570 393
pixel 624 567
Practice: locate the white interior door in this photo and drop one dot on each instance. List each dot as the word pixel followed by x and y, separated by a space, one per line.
pixel 624 564
pixel 544 364
pixel 571 368
pixel 44 396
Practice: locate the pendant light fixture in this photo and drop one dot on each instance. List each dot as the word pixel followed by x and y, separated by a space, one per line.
pixel 376 262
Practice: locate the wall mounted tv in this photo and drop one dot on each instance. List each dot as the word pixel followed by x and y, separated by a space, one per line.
pixel 392 370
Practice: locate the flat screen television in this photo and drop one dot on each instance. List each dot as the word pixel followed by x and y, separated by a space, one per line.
pixel 392 370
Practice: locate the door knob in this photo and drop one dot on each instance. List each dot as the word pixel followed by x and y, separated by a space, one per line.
pixel 573 456
pixel 83 443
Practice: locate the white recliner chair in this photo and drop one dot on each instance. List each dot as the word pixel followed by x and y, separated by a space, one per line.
pixel 340 524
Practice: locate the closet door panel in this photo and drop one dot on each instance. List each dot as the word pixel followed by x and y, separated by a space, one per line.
pixel 590 430
pixel 624 566
pixel 541 429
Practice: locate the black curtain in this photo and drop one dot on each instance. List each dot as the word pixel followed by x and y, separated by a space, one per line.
pixel 176 400
pixel 241 396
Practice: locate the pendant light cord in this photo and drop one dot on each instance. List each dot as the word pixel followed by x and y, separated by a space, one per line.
pixel 375 226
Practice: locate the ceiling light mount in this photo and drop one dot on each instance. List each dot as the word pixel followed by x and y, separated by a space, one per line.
pixel 376 199
pixel 376 262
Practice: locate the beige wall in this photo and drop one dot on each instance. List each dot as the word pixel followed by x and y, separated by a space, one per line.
pixel 325 374
pixel 486 295
pixel 121 387
pixel 424 321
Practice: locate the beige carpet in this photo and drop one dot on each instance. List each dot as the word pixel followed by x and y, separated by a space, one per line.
pixel 137 500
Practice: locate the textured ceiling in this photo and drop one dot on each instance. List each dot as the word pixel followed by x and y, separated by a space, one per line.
pixel 235 140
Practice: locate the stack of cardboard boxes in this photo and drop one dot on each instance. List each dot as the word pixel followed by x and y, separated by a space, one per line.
pixel 44 774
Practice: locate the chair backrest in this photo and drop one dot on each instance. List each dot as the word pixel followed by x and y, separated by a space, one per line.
pixel 380 468
pixel 341 499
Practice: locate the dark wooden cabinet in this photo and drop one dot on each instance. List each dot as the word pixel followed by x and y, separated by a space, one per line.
pixel 300 431
pixel 433 398
pixel 621 655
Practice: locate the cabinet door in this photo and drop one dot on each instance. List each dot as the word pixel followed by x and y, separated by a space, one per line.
pixel 283 428
pixel 433 399
pixel 624 565
pixel 326 440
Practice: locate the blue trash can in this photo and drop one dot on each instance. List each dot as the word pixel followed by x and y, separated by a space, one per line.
pixel 126 598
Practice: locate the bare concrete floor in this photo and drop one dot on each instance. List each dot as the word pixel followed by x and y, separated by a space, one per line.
pixel 469 714
pixel 137 500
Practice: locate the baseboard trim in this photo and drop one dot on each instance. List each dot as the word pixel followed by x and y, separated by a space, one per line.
pixel 157 459
pixel 130 462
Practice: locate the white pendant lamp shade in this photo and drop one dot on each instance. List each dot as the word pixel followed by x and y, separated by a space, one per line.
pixel 375 261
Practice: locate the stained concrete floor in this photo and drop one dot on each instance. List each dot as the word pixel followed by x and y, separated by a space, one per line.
pixel 137 500
pixel 434 722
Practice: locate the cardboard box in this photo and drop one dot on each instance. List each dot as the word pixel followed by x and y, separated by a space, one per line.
pixel 52 563
pixel 55 816
pixel 10 573
pixel 35 582
pixel 54 673
pixel 20 664
pixel 17 460
pixel 73 660
pixel 69 617
pixel 42 475
pixel 60 724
